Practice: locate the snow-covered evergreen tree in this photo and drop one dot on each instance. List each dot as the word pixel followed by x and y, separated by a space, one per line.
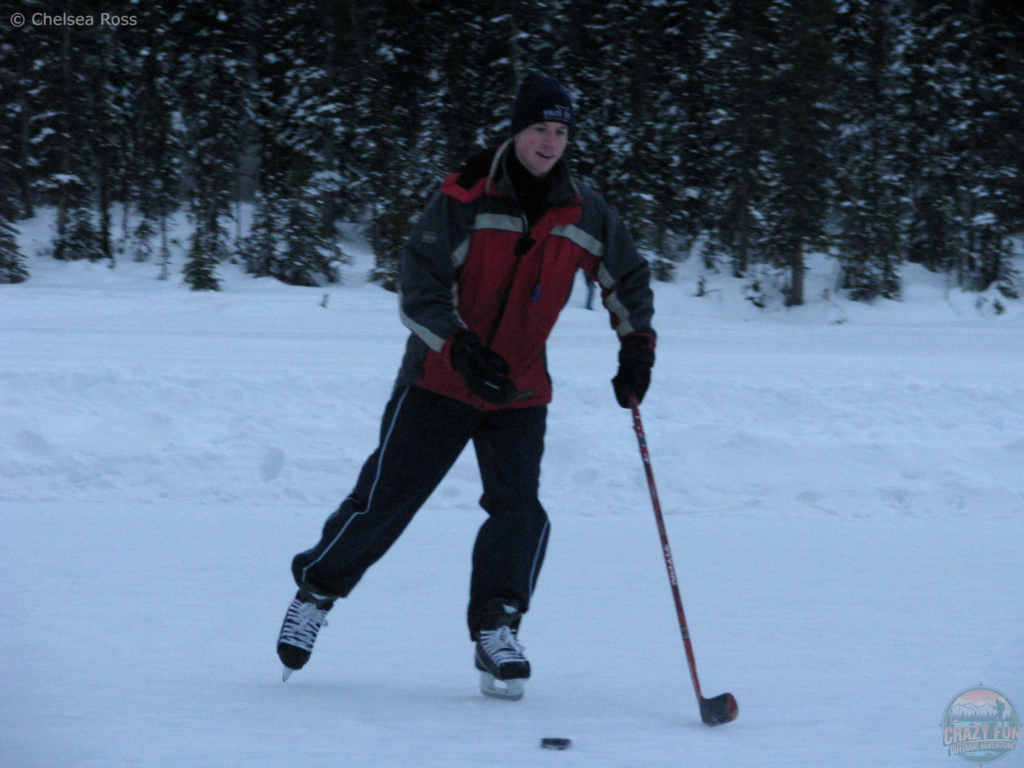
pixel 471 83
pixel 802 106
pixel 286 243
pixel 213 84
pixel 111 59
pixel 260 248
pixel 76 237
pixel 678 168
pixel 403 158
pixel 292 234
pixel 156 139
pixel 12 262
pixel 994 157
pixel 965 140
pixel 63 137
pixel 18 106
pixel 309 257
pixel 739 66
pixel 870 147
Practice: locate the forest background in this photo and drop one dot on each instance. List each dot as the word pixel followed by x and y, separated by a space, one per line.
pixel 746 133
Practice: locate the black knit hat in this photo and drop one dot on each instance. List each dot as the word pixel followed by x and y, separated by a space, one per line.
pixel 541 99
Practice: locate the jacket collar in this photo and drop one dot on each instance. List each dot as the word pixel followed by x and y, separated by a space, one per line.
pixel 563 189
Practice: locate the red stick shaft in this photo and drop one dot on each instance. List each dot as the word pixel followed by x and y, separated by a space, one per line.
pixel 666 551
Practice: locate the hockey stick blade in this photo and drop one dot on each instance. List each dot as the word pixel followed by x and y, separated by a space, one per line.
pixel 719 710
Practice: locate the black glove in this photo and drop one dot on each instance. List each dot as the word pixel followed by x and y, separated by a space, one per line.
pixel 636 358
pixel 484 371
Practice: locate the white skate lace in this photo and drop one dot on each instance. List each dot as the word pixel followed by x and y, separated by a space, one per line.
pixel 502 645
pixel 301 624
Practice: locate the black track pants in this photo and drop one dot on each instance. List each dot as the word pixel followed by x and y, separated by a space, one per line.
pixel 422 434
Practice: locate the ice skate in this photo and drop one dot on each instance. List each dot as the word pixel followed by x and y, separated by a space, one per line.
pixel 499 654
pixel 306 614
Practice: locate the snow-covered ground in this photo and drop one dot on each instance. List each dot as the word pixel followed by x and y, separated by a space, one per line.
pixel 843 487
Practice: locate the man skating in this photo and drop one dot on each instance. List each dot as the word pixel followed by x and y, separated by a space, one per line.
pixel 486 271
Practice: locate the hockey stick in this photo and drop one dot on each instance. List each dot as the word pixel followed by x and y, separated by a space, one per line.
pixel 720 709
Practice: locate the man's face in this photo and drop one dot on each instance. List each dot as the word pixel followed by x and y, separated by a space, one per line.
pixel 541 145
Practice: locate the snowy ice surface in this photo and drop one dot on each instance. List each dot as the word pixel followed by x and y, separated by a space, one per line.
pixel 843 487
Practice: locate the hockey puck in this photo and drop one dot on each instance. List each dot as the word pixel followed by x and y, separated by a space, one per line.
pixel 555 743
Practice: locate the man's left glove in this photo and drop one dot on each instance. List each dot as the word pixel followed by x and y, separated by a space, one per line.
pixel 636 358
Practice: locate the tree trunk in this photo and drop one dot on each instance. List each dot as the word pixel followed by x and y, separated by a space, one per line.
pixel 329 154
pixel 104 180
pixel 796 287
pixel 65 151
pixel 24 142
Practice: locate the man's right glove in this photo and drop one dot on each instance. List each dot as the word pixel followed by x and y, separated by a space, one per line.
pixel 636 358
pixel 484 370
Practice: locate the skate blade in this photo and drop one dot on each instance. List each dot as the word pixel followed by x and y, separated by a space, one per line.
pixel 511 690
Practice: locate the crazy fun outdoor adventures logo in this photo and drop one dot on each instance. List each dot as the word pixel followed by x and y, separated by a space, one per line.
pixel 980 725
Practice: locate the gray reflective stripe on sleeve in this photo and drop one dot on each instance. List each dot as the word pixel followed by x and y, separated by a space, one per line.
pixel 460 253
pixel 592 245
pixel 430 338
pixel 588 243
pixel 614 305
pixel 500 221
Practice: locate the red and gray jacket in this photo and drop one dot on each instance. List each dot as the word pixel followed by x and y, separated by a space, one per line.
pixel 472 261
